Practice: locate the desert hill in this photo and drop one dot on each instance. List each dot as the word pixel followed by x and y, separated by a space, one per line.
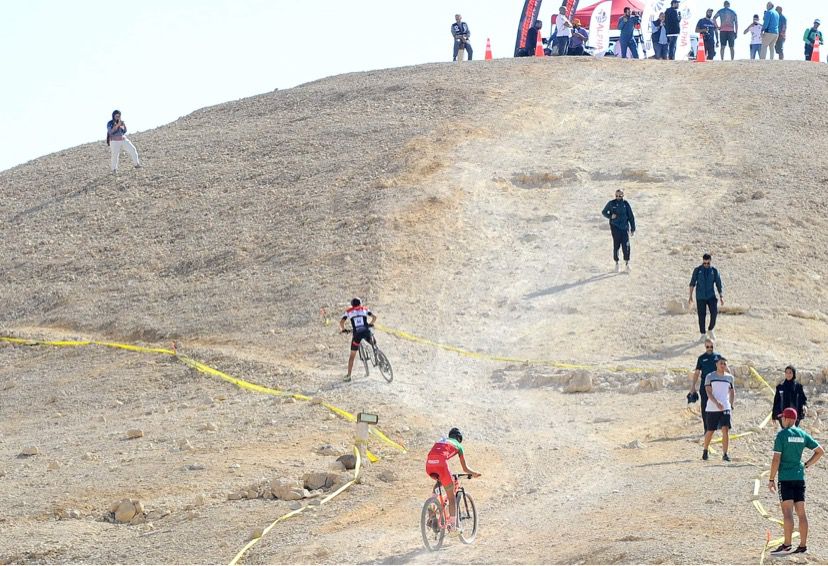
pixel 462 202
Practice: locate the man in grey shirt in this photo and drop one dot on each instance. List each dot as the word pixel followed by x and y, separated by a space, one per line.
pixel 720 397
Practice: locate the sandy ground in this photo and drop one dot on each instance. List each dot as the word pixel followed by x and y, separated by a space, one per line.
pixel 463 203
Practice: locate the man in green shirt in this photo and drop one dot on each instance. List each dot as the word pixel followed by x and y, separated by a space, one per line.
pixel 790 442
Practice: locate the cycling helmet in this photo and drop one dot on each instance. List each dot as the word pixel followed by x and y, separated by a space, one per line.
pixel 355 302
pixel 456 434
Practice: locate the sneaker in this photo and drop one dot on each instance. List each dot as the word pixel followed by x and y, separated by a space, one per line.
pixel 711 334
pixel 138 166
pixel 725 457
pixel 703 337
pixel 800 550
pixel 704 454
pixel 781 550
pixel 628 267
pixel 347 378
pixel 617 267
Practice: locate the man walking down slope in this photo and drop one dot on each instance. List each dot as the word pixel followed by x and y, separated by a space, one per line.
pixel 770 32
pixel 705 365
pixel 720 397
pixel 622 225
pixel 706 280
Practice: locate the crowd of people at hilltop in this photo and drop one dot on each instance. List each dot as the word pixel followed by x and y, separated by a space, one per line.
pixel 768 34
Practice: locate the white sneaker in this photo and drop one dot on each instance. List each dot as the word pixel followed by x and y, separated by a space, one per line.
pixel 628 267
pixel 703 337
pixel 711 334
pixel 617 267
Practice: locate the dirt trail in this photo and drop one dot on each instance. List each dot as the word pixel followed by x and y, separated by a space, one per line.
pixel 465 209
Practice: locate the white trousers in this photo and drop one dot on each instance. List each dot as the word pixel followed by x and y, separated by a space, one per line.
pixel 115 147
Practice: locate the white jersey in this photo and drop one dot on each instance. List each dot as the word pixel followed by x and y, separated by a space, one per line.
pixel 720 386
pixel 358 316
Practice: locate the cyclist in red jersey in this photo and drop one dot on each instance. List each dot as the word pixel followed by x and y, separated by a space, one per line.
pixel 361 319
pixel 437 468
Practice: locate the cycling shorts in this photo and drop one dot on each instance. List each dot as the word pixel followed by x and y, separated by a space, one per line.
pixel 359 336
pixel 438 467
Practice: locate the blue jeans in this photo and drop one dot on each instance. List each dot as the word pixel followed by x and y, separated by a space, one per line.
pixel 754 50
pixel 661 50
pixel 671 46
pixel 628 42
pixel 458 45
pixel 561 45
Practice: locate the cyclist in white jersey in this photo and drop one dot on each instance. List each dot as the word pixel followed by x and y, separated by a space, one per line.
pixel 361 321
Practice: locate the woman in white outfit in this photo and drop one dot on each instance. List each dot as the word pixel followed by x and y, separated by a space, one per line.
pixel 116 139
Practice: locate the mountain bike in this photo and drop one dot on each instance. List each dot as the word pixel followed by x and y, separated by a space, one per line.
pixel 370 352
pixel 435 515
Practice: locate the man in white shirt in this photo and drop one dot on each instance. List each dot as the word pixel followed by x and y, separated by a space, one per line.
pixel 563 32
pixel 720 397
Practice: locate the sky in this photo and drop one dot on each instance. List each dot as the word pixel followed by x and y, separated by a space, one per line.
pixel 67 65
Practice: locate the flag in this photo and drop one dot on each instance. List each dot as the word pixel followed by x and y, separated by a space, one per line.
pixel 599 27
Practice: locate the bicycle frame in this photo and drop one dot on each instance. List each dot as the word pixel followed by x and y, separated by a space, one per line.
pixel 439 490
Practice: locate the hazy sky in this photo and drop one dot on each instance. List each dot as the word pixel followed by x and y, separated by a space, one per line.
pixel 67 65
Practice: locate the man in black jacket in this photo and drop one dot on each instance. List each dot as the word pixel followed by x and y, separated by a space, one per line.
pixel 532 39
pixel 790 393
pixel 672 21
pixel 622 224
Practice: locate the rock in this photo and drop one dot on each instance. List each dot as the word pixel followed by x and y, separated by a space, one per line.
pixel 196 467
pixel 742 249
pixel 73 514
pixel 336 466
pixel 257 533
pixel 201 499
pixel 137 520
pixel 733 309
pixel 287 490
pixel 653 383
pixel 388 476
pixel 327 450
pixel 134 433
pixel 235 496
pixel 252 493
pixel 348 460
pixel 676 306
pixel 184 444
pixel 88 456
pixel 127 509
pixel 580 381
pixel 53 465
pixel 294 505
pixel 208 427
pixel 2 473
pixel 635 444
pixel 757 195
pixel 316 480
pixel 30 451
pixel 157 514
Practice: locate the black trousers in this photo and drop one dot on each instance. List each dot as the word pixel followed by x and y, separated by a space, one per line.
pixel 702 306
pixel 620 239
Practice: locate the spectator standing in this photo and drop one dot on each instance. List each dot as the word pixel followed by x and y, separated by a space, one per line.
pixel 706 281
pixel 783 32
pixel 116 139
pixel 790 393
pixel 787 465
pixel 707 28
pixel 622 224
pixel 563 32
pixel 720 397
pixel 461 34
pixel 705 365
pixel 755 31
pixel 728 28
pixel 626 25
pixel 811 35
pixel 673 23
pixel 770 32
pixel 532 39
pixel 579 38
pixel 659 37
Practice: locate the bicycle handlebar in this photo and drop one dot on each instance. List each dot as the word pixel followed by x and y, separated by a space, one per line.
pixel 468 476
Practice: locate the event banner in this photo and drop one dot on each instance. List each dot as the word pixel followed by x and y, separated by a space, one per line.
pixel 688 28
pixel 652 8
pixel 599 27
pixel 531 8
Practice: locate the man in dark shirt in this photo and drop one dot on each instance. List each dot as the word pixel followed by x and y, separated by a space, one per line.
pixel 532 39
pixel 622 224
pixel 672 21
pixel 460 31
pixel 783 34
pixel 707 27
pixel 704 365
pixel 706 281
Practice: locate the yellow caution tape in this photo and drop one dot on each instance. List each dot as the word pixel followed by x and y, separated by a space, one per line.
pixel 495 358
pixel 286 516
pixel 204 368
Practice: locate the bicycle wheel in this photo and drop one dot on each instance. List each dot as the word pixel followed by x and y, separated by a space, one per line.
pixel 363 355
pixel 384 366
pixel 466 518
pixel 433 535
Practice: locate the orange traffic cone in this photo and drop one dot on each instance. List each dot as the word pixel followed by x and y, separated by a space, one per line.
pixel 815 52
pixel 488 49
pixel 701 56
pixel 539 47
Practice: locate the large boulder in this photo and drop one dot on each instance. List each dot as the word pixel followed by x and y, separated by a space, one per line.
pixel 288 490
pixel 579 382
